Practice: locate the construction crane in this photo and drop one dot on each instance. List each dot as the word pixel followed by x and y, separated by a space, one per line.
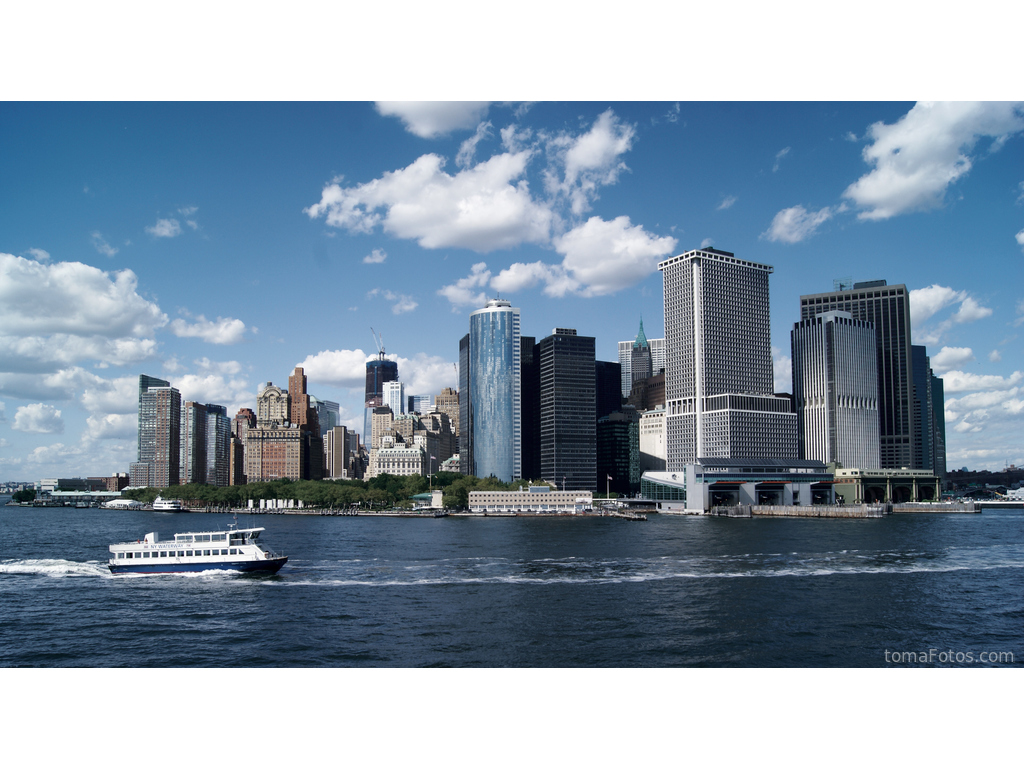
pixel 378 340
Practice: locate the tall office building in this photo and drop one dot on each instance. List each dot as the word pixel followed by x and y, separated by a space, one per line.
pixel 494 388
pixel 835 388
pixel 887 307
pixel 328 414
pixel 640 361
pixel 718 366
pixel 609 392
pixel 303 414
pixel 465 415
pixel 393 396
pixel 337 458
pixel 244 420
pixel 192 466
pixel 657 348
pixel 272 406
pixel 529 407
pixel 568 407
pixel 159 431
pixel 448 402
pixel 378 372
pixel 145 382
pixel 218 445
pixel 929 406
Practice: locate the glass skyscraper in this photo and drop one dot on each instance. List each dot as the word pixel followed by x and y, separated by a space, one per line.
pixel 494 392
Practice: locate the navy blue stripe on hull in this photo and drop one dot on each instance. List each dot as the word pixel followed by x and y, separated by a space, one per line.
pixel 247 566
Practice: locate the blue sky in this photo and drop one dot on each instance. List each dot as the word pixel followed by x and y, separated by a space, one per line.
pixel 218 245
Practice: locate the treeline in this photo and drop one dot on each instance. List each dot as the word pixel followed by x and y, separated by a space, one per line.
pixel 381 492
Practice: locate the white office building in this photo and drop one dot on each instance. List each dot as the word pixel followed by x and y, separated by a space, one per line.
pixel 835 389
pixel 393 396
pixel 718 362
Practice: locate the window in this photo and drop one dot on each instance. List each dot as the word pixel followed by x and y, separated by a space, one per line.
pixel 234 551
pixel 163 553
pixel 120 555
pixel 206 552
pixel 145 554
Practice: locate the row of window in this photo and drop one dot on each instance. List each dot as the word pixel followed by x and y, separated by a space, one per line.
pixel 177 553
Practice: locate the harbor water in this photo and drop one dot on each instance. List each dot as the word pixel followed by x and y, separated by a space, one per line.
pixel 523 592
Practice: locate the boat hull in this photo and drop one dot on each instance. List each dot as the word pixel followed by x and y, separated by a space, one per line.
pixel 273 565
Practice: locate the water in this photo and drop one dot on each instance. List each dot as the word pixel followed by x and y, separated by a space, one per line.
pixel 500 592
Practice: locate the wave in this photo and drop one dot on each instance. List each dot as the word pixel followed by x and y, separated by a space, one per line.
pixel 58 568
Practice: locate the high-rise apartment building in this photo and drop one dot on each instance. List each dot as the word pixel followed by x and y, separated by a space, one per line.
pixel 494 387
pixel 465 415
pixel 718 366
pixel 835 388
pixel 218 445
pixel 887 308
pixel 192 450
pixel 145 382
pixel 568 408
pixel 159 432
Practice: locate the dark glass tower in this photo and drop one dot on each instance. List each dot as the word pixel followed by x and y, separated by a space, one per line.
pixel 568 423
pixel 378 372
pixel 530 394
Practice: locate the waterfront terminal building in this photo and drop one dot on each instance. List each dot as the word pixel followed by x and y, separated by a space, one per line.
pixel 711 483
pixel 539 499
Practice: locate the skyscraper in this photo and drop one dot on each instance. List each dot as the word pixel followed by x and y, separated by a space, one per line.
pixel 529 407
pixel 718 367
pixel 465 414
pixel 568 405
pixel 929 406
pixel 494 388
pixel 159 431
pixel 192 450
pixel 218 445
pixel 377 372
pixel 835 388
pixel 887 307
pixel 393 396
pixel 657 348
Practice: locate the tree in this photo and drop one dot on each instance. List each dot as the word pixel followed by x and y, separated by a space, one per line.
pixel 25 496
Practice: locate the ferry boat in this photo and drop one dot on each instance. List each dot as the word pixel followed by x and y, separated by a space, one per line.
pixel 231 550
pixel 166 505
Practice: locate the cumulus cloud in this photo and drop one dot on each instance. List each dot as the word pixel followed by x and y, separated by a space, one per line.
pixel 521 276
pixel 727 203
pixel 919 156
pixel 54 315
pixel 959 381
pixel 778 158
pixel 782 371
pixel 926 303
pixel 233 393
pixel 376 256
pixel 112 396
pixel 462 292
pixel 1020 238
pixel 429 119
pixel 113 426
pixel 38 417
pixel 482 208
pixel 165 228
pixel 227 367
pixel 342 368
pixel 791 225
pixel 426 374
pixel 223 330
pixel 38 254
pixel 59 385
pixel 100 244
pixel 949 358
pixel 994 356
pixel 607 256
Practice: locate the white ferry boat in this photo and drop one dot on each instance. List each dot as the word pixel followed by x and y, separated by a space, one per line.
pixel 166 505
pixel 230 550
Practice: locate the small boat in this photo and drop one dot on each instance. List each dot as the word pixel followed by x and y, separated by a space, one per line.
pixel 166 505
pixel 231 550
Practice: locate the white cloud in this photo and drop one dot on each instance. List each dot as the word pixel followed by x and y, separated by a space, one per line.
pixel 467 150
pixel 461 292
pixel 342 368
pixel 426 374
pixel 1020 238
pixel 924 152
pixel 59 385
pixel 223 330
pixel 727 203
pixel 958 381
pixel 429 119
pixel 970 311
pixel 38 254
pixel 607 256
pixel 949 358
pixel 520 276
pixel 791 225
pixel 376 256
pixel 113 426
pixel 403 303
pixel 38 417
pixel 227 368
pixel 101 245
pixel 925 302
pixel 3 412
pixel 233 393
pixel 589 160
pixel 112 396
pixel 707 242
pixel 54 315
pixel 189 210
pixel 994 356
pixel 482 208
pixel 782 371
pixel 778 158
pixel 165 228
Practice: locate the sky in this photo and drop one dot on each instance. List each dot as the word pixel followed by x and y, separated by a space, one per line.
pixel 220 244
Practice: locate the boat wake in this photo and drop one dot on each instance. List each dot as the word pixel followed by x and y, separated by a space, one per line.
pixel 56 568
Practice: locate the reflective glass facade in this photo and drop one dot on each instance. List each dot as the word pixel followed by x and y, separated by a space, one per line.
pixel 494 391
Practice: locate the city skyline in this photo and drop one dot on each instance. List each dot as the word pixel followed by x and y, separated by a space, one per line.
pixel 144 239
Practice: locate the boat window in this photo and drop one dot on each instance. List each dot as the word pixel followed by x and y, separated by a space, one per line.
pixel 145 554
pixel 188 553
pixel 184 538
pixel 234 552
pixel 206 552
pixel 203 537
pixel 120 554
pixel 219 537
pixel 163 553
